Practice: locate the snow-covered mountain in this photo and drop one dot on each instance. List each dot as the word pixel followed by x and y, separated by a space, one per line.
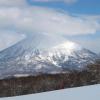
pixel 42 54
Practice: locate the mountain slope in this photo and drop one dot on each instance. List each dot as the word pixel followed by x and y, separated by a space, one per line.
pixel 42 54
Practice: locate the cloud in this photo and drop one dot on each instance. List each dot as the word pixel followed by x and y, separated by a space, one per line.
pixel 13 2
pixel 65 1
pixel 18 18
pixel 46 21
pixel 8 38
pixel 92 44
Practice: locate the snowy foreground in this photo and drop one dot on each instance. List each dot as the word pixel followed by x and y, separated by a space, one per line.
pixel 81 93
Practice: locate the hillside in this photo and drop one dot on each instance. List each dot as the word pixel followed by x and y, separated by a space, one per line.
pixel 49 82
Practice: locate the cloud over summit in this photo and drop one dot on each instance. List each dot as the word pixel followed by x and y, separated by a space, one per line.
pixel 18 16
pixel 44 20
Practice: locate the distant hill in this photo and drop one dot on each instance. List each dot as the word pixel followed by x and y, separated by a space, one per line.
pixel 49 82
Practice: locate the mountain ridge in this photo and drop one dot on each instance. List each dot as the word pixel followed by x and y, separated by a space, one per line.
pixel 35 55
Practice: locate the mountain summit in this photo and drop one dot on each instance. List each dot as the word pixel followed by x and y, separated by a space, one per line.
pixel 42 54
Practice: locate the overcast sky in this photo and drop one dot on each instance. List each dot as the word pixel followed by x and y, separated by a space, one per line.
pixel 71 19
